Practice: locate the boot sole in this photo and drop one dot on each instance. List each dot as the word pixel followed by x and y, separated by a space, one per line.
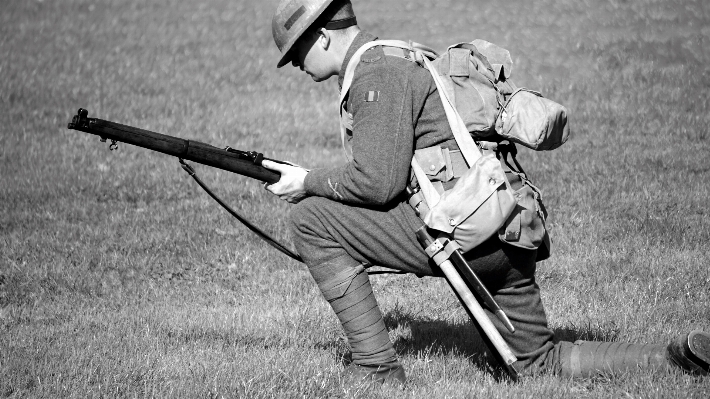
pixel 698 344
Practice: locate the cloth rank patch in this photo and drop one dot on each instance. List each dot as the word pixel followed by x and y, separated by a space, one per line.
pixel 372 96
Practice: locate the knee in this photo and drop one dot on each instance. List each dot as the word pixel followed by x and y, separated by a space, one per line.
pixel 307 214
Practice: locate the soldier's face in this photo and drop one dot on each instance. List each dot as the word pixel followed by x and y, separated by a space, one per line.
pixel 310 56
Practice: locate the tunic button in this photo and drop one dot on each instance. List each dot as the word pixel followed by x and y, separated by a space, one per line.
pixel 432 168
pixel 452 222
pixel 492 181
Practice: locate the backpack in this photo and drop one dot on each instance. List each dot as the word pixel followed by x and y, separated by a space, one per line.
pixel 482 104
pixel 475 77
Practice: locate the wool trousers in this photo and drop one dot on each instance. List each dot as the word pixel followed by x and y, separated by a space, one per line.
pixel 336 239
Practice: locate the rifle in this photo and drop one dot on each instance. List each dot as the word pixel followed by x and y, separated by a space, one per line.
pixel 247 163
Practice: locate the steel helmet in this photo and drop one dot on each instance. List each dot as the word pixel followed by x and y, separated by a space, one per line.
pixel 293 17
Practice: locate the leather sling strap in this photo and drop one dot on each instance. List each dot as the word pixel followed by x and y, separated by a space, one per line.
pixel 262 234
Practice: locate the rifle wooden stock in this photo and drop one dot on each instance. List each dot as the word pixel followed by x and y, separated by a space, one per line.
pixel 247 163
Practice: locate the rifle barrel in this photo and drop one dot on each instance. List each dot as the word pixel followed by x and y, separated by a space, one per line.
pixel 240 162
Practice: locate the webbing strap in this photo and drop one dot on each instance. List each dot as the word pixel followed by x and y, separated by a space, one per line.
pixel 431 196
pixel 262 234
pixel 468 147
pixel 350 73
pixel 469 150
pixel 347 81
pixel 441 249
pixel 421 53
pixel 463 138
pixel 399 52
pixel 450 247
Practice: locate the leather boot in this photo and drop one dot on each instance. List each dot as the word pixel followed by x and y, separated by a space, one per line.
pixel 691 353
pixel 385 374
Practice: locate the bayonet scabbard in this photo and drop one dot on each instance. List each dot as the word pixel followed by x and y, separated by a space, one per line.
pixel 472 304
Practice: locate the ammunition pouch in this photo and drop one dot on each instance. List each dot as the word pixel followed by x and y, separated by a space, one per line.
pixel 524 225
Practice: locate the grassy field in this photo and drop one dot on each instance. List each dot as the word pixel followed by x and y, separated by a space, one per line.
pixel 119 277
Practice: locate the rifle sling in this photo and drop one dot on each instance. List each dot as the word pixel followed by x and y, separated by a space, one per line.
pixel 262 234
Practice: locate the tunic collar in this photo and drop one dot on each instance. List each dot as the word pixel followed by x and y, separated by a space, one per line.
pixel 359 41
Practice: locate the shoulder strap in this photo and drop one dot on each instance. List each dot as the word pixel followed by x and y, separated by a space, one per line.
pixel 348 80
pixel 464 140
pixel 468 147
pixel 431 196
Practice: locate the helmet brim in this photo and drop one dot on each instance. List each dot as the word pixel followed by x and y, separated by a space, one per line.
pixel 285 59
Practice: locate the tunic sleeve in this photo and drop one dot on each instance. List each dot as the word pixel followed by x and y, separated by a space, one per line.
pixel 380 101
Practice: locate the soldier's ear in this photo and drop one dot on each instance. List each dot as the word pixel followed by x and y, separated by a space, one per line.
pixel 324 38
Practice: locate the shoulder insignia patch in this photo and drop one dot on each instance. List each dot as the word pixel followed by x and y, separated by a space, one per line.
pixel 372 96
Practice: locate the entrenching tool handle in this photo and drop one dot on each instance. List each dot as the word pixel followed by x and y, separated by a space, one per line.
pixel 465 269
pixel 472 305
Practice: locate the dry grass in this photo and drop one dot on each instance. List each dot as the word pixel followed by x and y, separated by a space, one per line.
pixel 119 277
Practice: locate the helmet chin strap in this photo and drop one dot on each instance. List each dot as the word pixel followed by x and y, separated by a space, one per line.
pixel 341 23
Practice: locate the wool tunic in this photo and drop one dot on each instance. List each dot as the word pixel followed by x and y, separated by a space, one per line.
pixel 396 109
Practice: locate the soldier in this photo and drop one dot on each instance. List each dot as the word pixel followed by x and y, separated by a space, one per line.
pixel 350 216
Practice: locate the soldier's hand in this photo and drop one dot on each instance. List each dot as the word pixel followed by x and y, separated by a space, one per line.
pixel 290 187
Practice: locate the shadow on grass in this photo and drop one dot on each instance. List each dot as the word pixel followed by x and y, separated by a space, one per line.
pixel 429 336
